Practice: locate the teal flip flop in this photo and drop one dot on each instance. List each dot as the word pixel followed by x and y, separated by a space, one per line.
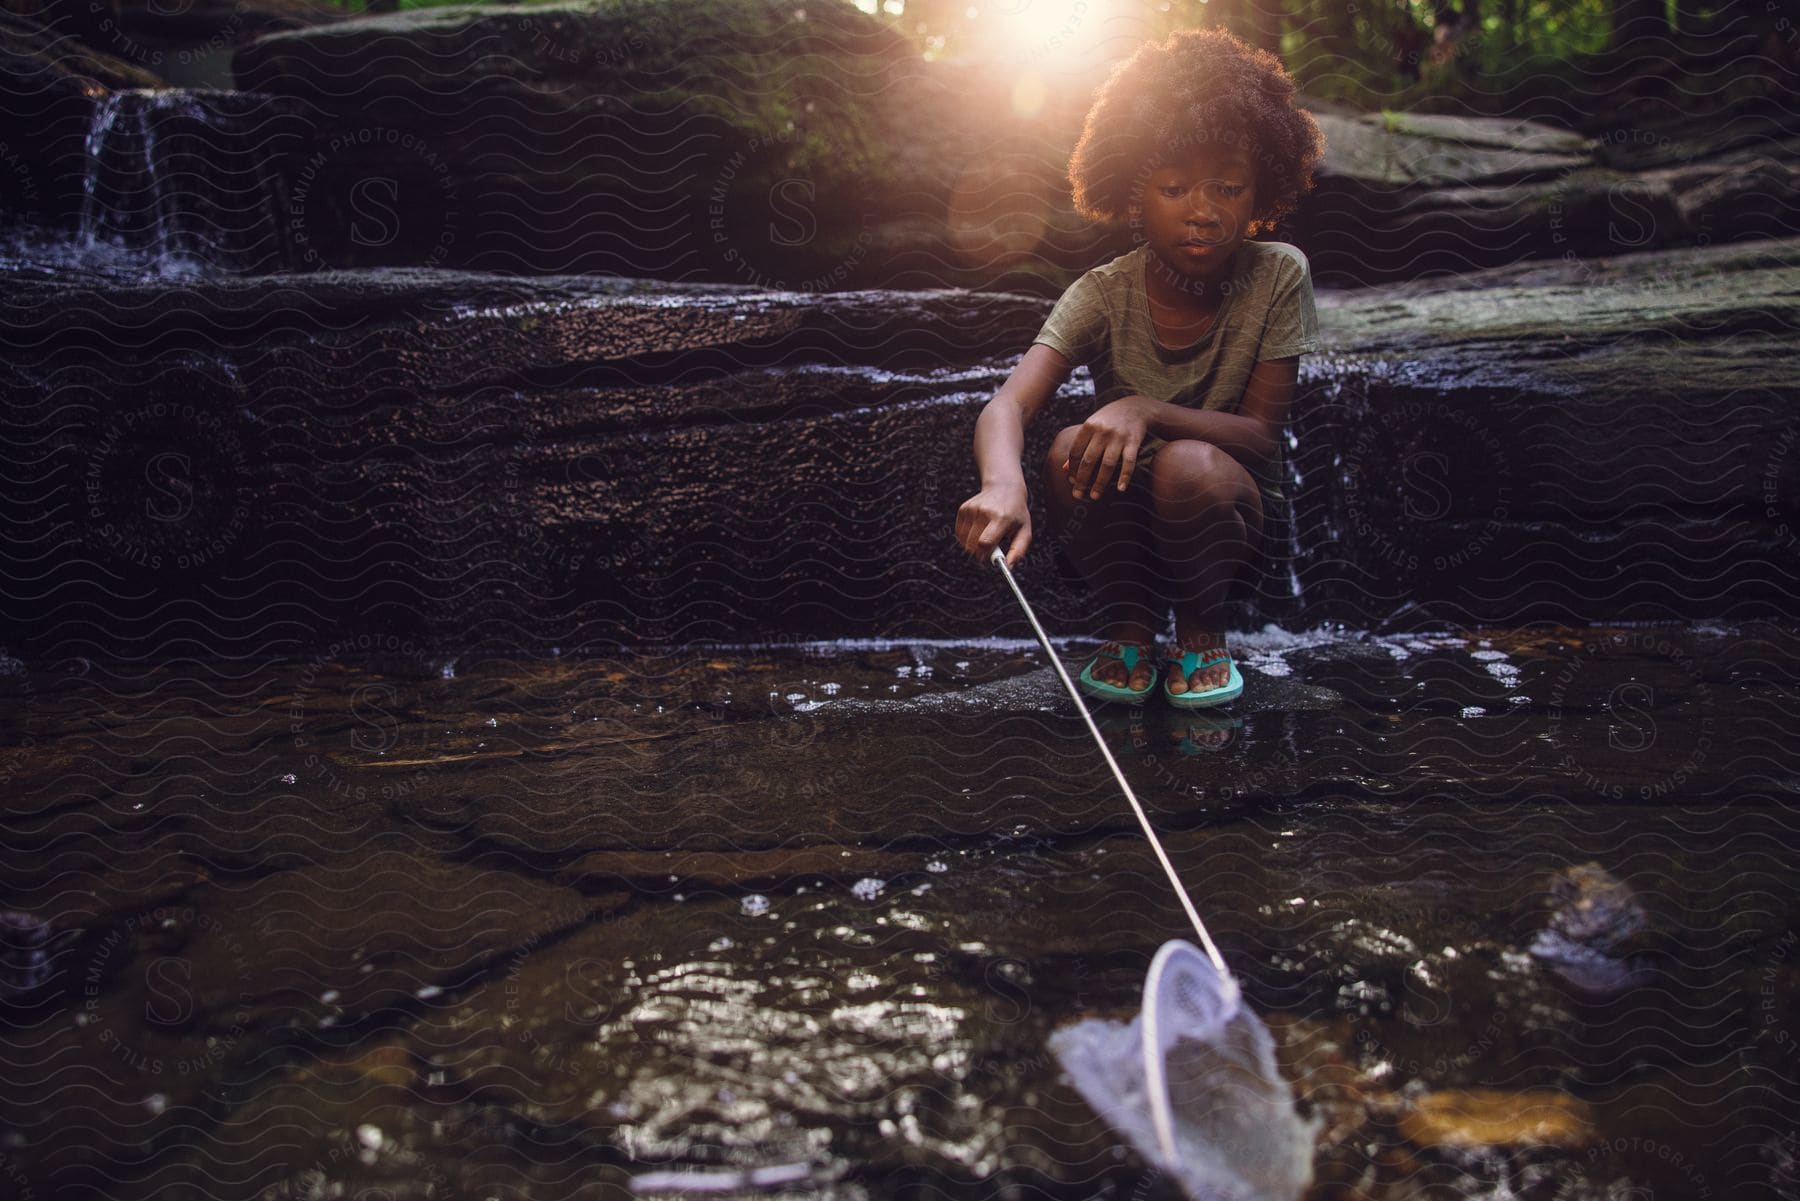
pixel 1129 654
pixel 1191 662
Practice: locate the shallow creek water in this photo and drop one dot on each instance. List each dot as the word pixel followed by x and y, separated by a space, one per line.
pixel 1519 906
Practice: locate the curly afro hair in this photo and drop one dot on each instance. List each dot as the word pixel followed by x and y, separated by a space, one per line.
pixel 1197 86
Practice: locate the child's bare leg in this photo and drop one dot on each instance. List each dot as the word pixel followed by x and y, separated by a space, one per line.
pixel 1209 521
pixel 1109 540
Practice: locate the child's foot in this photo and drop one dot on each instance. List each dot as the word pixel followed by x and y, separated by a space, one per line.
pixel 1109 667
pixel 1202 678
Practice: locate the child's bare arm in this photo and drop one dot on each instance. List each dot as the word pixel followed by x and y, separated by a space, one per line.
pixel 1252 435
pixel 999 508
pixel 1112 436
pixel 1000 430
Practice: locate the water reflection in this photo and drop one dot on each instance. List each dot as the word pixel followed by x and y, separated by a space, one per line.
pixel 815 911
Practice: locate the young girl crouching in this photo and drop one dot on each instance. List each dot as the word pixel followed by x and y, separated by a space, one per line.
pixel 1193 340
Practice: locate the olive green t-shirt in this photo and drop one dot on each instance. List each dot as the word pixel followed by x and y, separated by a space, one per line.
pixel 1103 320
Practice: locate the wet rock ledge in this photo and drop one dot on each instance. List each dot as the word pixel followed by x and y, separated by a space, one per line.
pixel 772 144
pixel 575 460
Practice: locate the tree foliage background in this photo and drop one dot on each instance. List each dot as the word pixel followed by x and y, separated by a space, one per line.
pixel 1481 55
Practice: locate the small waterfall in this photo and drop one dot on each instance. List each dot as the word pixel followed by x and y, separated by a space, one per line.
pixel 1291 486
pixel 105 113
pixel 189 179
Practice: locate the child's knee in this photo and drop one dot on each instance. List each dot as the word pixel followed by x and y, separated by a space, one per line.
pixel 1188 470
pixel 1054 476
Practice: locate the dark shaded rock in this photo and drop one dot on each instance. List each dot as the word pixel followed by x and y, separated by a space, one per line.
pixel 200 25
pixel 1621 511
pixel 761 134
pixel 760 142
pixel 187 44
pixel 469 460
pixel 1596 924
pixel 1596 909
pixel 593 349
pixel 1404 195
pixel 41 55
pixel 142 873
pixel 831 156
pixel 179 1009
pixel 72 20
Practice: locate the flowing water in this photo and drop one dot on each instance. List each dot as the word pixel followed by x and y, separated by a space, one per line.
pixel 799 918
pixel 802 918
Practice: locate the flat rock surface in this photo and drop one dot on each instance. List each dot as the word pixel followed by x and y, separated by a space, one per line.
pixel 442 926
pixel 472 461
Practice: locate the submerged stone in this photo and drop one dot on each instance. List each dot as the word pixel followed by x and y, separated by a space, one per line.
pixel 1596 909
pixel 1473 1118
pixel 1596 923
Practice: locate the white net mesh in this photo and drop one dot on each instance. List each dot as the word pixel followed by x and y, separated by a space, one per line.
pixel 1192 1084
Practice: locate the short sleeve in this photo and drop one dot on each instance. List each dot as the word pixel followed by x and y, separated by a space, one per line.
pixel 1293 324
pixel 1076 327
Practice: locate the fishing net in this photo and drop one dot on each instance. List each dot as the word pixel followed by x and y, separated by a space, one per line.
pixel 1191 1082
